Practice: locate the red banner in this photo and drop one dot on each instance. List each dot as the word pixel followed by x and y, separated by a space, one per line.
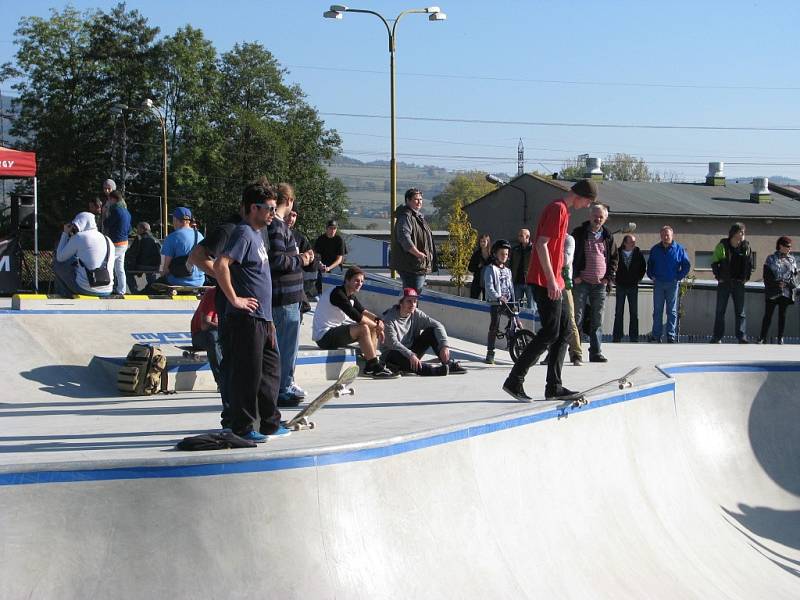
pixel 14 163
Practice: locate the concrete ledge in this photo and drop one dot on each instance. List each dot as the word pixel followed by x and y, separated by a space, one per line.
pixel 43 303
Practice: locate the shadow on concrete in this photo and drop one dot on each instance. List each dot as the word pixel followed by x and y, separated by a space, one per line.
pixel 775 557
pixel 772 428
pixel 421 403
pixel 107 441
pixel 116 412
pixel 72 381
pixel 777 525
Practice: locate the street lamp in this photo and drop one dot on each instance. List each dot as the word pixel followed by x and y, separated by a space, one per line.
pixel 149 107
pixel 434 14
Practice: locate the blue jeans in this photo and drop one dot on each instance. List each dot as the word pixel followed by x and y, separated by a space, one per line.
pixel 725 289
pixel 595 294
pixel 526 290
pixel 412 280
pixel 665 295
pixel 287 329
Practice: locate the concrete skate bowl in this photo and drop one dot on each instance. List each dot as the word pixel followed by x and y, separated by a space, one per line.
pixel 685 488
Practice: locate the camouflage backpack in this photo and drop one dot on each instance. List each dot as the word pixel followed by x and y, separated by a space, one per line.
pixel 144 372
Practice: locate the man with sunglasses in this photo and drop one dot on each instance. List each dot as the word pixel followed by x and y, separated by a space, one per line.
pixel 413 252
pixel 251 365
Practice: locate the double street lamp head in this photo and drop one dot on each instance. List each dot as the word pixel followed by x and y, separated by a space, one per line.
pixel 337 12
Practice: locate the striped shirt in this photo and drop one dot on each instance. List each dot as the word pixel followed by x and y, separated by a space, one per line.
pixel 285 265
pixel 595 252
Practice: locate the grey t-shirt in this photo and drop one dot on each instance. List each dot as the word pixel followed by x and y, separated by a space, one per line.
pixel 250 274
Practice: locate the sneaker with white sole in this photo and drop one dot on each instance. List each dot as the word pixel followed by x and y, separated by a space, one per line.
pixel 254 436
pixel 296 390
pixel 281 431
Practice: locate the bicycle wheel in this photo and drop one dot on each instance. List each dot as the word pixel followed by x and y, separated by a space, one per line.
pixel 517 344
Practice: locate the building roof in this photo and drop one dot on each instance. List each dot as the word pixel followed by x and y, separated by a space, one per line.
pixel 690 199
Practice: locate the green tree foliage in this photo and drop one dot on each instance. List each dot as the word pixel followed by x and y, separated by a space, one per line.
pixel 458 248
pixel 619 167
pixel 230 119
pixel 462 189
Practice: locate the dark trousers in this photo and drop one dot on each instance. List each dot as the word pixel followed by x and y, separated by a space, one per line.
pixel 554 334
pixel 253 373
pixel 631 294
pixel 494 325
pixel 425 340
pixel 769 307
pixel 724 290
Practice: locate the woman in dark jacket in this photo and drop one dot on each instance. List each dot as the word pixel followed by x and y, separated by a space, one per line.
pixel 780 281
pixel 480 258
pixel 630 271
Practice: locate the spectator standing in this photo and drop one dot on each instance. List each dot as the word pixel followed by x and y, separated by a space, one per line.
pixel 667 264
pixel 732 265
pixel 545 274
pixel 481 257
pixel 176 268
pixel 594 266
pixel 780 282
pixel 409 332
pixel 108 187
pixel 81 250
pixel 143 256
pixel 630 271
pixel 340 319
pixel 331 249
pixel 95 206
pixel 413 253
pixel 309 271
pixel 252 366
pixel 519 262
pixel 286 266
pixel 205 332
pixel 498 284
pixel 117 226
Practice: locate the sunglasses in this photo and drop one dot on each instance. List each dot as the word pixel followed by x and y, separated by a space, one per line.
pixel 268 208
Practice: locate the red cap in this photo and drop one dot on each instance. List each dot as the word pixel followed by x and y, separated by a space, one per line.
pixel 409 292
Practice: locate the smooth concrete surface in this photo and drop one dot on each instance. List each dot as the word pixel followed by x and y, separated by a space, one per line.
pixel 684 487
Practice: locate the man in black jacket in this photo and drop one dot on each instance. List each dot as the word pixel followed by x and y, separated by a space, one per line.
pixel 519 260
pixel 144 256
pixel 732 265
pixel 594 266
pixel 630 271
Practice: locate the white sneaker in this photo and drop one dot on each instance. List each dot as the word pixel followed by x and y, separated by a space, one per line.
pixel 296 390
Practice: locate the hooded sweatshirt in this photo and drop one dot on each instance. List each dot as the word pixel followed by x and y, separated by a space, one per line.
pixel 91 248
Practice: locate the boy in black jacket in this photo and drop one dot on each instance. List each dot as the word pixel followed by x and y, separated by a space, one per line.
pixel 630 271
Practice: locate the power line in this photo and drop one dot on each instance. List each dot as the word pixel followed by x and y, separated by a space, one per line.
pixel 566 124
pixel 691 86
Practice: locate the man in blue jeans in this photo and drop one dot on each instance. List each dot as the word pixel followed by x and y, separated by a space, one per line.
pixel 667 264
pixel 732 265
pixel 286 267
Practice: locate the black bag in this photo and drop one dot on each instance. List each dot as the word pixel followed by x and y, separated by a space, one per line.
pixel 100 276
pixel 178 267
pixel 222 440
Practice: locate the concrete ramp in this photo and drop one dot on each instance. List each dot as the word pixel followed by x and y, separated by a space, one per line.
pixel 684 488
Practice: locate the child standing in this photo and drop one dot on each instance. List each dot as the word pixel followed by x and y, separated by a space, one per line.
pixel 498 284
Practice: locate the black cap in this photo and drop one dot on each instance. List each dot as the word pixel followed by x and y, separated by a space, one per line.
pixel 585 188
pixel 332 223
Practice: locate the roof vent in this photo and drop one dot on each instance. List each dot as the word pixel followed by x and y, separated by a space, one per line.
pixel 760 191
pixel 593 170
pixel 716 174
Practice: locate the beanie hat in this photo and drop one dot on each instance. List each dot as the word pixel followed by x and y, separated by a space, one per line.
pixel 585 188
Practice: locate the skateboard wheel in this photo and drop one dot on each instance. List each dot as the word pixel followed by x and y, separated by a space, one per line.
pixel 185 354
pixel 312 425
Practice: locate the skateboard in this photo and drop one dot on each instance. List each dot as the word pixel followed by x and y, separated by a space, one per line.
pixel 340 388
pixel 579 398
pixel 192 352
pixel 184 290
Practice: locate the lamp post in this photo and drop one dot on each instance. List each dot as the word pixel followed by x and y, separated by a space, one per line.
pixel 149 107
pixel 434 14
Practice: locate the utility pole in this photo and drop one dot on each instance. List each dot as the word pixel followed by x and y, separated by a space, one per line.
pixel 520 158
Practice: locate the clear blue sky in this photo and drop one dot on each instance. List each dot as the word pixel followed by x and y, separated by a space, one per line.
pixel 730 64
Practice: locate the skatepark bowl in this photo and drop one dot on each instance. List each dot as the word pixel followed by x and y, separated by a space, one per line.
pixel 683 487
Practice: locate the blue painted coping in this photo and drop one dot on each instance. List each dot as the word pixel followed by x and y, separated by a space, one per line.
pixel 483 307
pixel 317 460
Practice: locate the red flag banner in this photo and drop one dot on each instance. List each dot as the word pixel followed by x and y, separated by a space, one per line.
pixel 14 163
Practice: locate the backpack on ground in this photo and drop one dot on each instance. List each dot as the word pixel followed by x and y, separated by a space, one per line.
pixel 144 372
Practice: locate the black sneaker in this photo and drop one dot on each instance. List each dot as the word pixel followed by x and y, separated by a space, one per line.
pixel 598 358
pixel 513 387
pixel 455 368
pixel 380 372
pixel 558 393
pixel 289 401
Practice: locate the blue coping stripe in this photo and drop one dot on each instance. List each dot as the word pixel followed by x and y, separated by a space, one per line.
pixel 316 460
pixel 483 307
pixel 731 368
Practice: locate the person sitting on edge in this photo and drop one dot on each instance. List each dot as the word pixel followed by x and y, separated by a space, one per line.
pixel 498 283
pixel 176 268
pixel 409 332
pixel 143 257
pixel 340 320
pixel 82 250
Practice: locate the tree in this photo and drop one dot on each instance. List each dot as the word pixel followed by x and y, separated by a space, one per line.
pixel 458 248
pixel 619 167
pixel 461 190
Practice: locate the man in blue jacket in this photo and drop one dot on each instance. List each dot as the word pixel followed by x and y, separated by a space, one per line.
pixel 117 226
pixel 667 264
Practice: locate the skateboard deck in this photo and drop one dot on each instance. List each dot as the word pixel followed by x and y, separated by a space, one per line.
pixel 579 398
pixel 191 352
pixel 340 388
pixel 174 290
